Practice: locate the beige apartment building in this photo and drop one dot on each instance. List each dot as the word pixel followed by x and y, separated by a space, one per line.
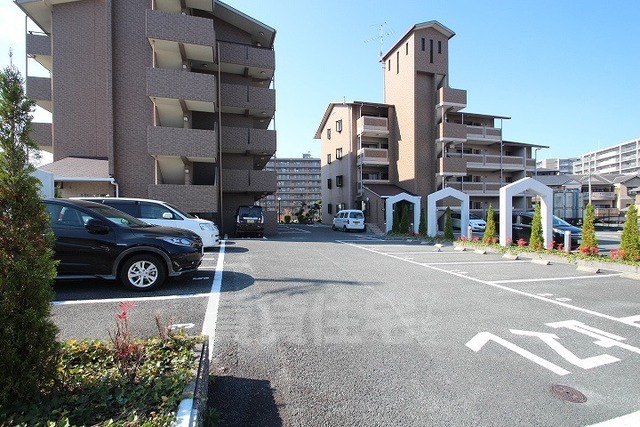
pixel 378 156
pixel 161 99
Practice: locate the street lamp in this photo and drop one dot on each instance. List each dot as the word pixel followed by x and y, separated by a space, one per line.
pixel 279 198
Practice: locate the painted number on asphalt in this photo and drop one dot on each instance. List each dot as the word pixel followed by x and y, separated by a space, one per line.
pixel 602 339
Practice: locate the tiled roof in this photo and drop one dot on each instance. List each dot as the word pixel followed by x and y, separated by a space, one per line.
pixel 78 167
pixel 386 190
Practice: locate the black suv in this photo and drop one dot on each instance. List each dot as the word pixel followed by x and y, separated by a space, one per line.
pixel 249 220
pixel 95 240
pixel 521 229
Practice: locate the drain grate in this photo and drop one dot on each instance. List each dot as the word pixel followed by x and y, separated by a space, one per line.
pixel 568 394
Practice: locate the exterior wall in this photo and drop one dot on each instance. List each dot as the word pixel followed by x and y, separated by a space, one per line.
pixel 80 78
pixel 84 189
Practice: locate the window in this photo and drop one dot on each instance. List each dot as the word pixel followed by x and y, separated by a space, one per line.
pixel 389 65
pixel 329 158
pixel 423 44
pixel 338 126
pixel 406 48
pixel 328 133
pixel 439 46
pixel 339 181
pixel 329 208
pixel 431 51
pixel 338 153
pixel 329 183
pixel 397 62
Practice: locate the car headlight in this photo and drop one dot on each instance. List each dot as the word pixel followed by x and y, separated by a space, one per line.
pixel 204 226
pixel 180 241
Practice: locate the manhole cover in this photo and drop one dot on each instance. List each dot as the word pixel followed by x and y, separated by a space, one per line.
pixel 568 394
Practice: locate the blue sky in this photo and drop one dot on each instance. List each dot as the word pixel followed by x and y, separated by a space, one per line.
pixel 565 71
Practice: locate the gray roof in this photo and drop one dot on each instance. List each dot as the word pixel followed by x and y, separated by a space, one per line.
pixel 556 180
pixel 78 168
pixel 386 190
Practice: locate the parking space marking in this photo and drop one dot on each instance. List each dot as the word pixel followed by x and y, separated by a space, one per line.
pixel 552 279
pixel 117 300
pixel 497 285
pixel 211 314
pixel 472 262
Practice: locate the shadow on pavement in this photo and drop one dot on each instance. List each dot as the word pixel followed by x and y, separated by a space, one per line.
pixel 243 402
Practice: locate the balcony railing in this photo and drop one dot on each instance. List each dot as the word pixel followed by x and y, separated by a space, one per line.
pixel 240 98
pixel 41 133
pixel 186 29
pixel 39 89
pixel 453 99
pixel 38 46
pixel 245 140
pixel 600 195
pixel 249 181
pixel 373 126
pixel 483 133
pixel 190 143
pixel 247 55
pixel 451 132
pixel 476 188
pixel 373 156
pixel 452 166
pixel 191 198
pixel 184 85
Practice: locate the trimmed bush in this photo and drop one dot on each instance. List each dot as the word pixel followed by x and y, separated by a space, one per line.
pixel 404 221
pixel 629 243
pixel 448 224
pixel 536 241
pixel 490 229
pixel 423 223
pixel 589 240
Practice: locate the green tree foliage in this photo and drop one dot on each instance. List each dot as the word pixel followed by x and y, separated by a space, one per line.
pixel 448 224
pixel 395 227
pixel 629 241
pixel 404 221
pixel 423 223
pixel 490 229
pixel 28 348
pixel 589 239
pixel 537 239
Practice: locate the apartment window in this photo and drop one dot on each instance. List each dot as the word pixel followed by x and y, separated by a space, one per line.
pixel 328 133
pixel 338 126
pixel 397 62
pixel 330 208
pixel 406 48
pixel 431 51
pixel 423 44
pixel 439 46
pixel 389 65
pixel 329 158
pixel 329 183
pixel 338 153
pixel 339 181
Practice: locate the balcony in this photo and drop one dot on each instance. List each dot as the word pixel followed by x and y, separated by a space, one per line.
pixel 484 134
pixel 191 198
pixel 373 156
pixel 373 126
pixel 42 134
pixel 38 47
pixel 39 89
pixel 600 195
pixel 451 132
pixel 451 99
pixel 173 35
pixel 249 181
pixel 248 141
pixel 257 62
pixel 194 144
pixel 452 166
pixel 497 162
pixel 198 91
pixel 477 188
pixel 248 100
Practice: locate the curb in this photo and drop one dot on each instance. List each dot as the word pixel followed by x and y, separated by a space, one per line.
pixel 194 395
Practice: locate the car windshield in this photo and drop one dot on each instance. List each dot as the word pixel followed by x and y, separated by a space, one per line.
pixel 252 212
pixel 474 216
pixel 117 217
pixel 356 215
pixel 558 221
pixel 184 214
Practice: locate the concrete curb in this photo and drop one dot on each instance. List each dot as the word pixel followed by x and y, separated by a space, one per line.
pixel 194 395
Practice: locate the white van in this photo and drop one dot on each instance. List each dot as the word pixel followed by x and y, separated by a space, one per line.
pixel 349 219
pixel 162 213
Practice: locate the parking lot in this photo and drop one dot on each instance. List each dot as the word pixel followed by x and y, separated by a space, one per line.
pixel 316 327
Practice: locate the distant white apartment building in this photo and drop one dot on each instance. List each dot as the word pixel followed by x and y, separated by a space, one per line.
pixel 621 158
pixel 562 165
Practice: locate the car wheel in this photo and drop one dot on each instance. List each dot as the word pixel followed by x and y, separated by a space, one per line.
pixel 333 227
pixel 143 272
pixel 344 228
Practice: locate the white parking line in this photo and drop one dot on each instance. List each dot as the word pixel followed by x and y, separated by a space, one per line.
pixel 116 300
pixel 211 315
pixel 553 279
pixel 472 262
pixel 505 288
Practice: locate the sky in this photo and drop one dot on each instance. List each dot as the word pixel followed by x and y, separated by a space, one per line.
pixel 565 71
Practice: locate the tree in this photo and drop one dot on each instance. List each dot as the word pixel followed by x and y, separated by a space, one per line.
pixel 28 347
pixel 448 224
pixel 423 223
pixel 629 243
pixel 490 228
pixel 589 241
pixel 404 221
pixel 536 241
pixel 396 218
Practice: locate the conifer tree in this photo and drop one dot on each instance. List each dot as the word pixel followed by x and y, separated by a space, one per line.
pixel 448 224
pixel 629 241
pixel 423 223
pixel 404 221
pixel 28 347
pixel 536 241
pixel 589 239
pixel 490 228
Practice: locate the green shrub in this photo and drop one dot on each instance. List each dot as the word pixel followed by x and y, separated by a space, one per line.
pixel 490 229
pixel 287 219
pixel 629 243
pixel 448 224
pixel 28 347
pixel 589 240
pixel 536 240
pixel 395 227
pixel 404 221
pixel 423 223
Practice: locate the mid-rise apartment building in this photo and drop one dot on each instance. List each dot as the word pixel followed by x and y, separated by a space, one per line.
pixel 562 166
pixel 418 141
pixel 298 184
pixel 163 99
pixel 621 158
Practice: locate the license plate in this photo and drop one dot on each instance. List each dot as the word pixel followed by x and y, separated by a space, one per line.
pixel 250 221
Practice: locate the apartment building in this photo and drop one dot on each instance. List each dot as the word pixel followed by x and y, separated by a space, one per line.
pixel 622 158
pixel 161 99
pixel 562 166
pixel 377 157
pixel 298 184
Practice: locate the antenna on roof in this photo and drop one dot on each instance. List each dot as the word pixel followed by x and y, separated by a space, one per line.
pixel 382 34
pixel 11 57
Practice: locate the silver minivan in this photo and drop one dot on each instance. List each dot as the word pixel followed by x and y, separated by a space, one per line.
pixel 349 219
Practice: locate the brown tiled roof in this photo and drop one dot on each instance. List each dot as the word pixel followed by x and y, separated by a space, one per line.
pixel 386 190
pixel 78 167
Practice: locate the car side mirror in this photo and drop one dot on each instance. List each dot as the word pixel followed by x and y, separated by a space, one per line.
pixel 167 215
pixel 96 226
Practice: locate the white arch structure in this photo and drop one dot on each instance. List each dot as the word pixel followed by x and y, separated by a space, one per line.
pixel 506 204
pixel 432 225
pixel 391 200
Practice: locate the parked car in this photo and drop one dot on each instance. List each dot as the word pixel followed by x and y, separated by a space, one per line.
pixel 95 240
pixel 162 213
pixel 349 219
pixel 521 229
pixel 249 220
pixel 476 223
